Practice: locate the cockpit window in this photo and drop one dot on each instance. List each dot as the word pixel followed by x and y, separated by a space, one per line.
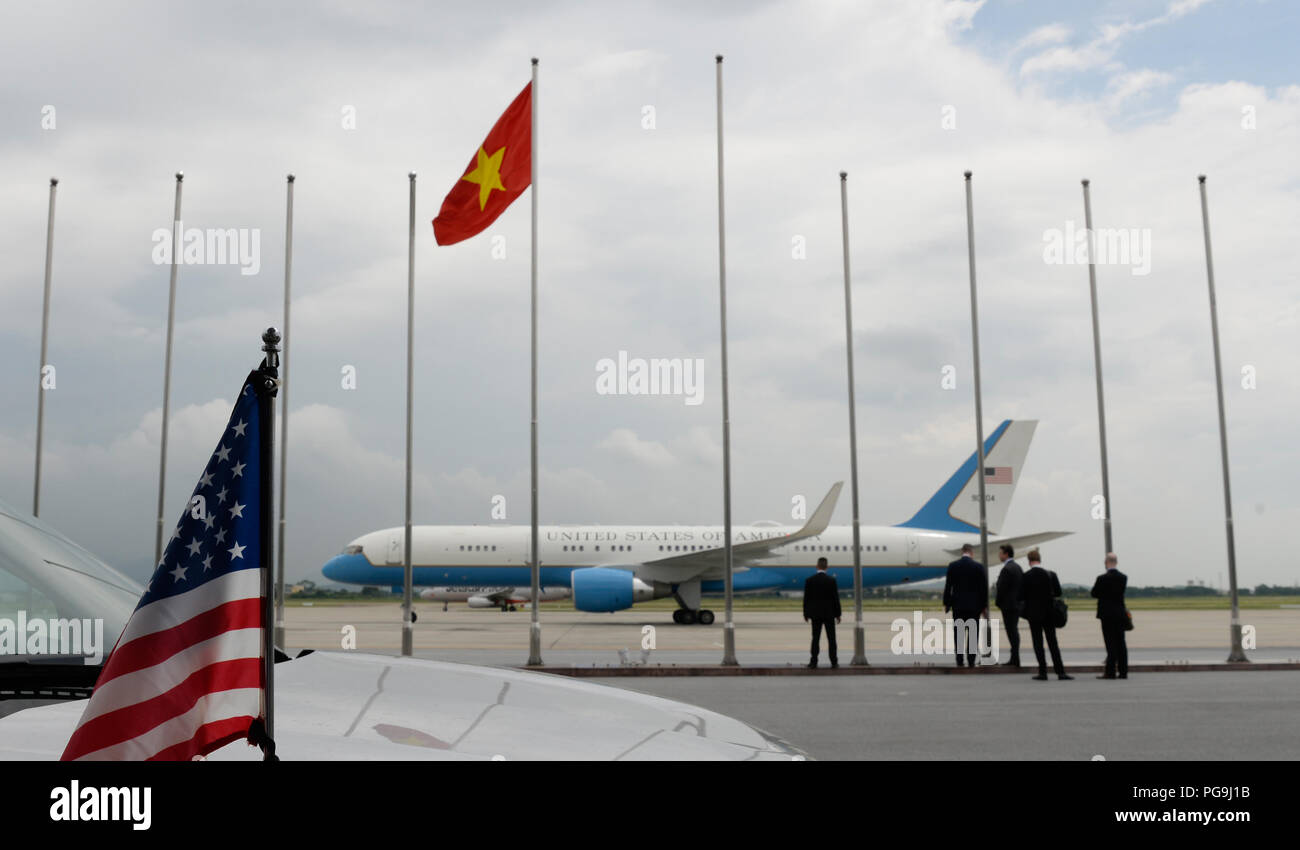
pixel 352 549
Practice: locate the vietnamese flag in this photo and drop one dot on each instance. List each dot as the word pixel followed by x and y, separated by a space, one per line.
pixel 499 172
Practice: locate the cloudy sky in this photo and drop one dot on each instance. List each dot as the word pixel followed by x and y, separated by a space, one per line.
pixel 1140 97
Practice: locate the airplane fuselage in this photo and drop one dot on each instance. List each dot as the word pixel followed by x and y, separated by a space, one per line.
pixel 486 555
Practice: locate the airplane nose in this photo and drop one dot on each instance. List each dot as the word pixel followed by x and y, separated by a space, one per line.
pixel 333 568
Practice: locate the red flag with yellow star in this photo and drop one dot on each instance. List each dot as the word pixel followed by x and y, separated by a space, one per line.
pixel 498 173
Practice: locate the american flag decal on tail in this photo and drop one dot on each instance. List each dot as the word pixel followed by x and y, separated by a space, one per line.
pixel 187 675
pixel 997 475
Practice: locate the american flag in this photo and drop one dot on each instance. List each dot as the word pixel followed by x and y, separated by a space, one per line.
pixel 186 677
pixel 997 475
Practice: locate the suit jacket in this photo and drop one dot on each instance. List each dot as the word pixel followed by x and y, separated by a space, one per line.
pixel 1109 592
pixel 1037 590
pixel 967 586
pixel 821 597
pixel 1009 586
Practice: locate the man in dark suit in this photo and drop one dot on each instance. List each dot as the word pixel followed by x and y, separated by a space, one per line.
pixel 966 594
pixel 1008 592
pixel 821 607
pixel 1037 590
pixel 1109 592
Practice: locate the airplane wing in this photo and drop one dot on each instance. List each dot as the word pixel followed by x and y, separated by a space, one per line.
pixel 710 564
pixel 1020 543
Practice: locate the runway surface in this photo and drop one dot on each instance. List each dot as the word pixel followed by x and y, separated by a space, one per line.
pixel 1160 716
pixel 491 637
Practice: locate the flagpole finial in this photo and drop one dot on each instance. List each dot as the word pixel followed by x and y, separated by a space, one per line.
pixel 534 60
pixel 844 175
pixel 54 181
pixel 180 175
pixel 967 173
pixel 290 178
pixel 1200 178
pixel 719 58
pixel 1085 181
pixel 411 175
pixel 271 362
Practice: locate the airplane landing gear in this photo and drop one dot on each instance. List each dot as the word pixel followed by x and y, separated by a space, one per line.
pixel 688 617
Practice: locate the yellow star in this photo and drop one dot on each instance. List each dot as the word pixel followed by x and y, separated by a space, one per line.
pixel 487 174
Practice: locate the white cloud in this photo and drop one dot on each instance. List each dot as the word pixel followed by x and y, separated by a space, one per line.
pixel 1099 51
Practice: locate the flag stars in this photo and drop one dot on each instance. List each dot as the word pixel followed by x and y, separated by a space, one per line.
pixel 208 519
pixel 221 496
pixel 236 551
pixel 207 563
pixel 178 574
pixel 487 174
pixel 237 510
pixel 223 453
pixel 194 546
pixel 221 536
pixel 206 480
pixel 238 470
pixel 239 429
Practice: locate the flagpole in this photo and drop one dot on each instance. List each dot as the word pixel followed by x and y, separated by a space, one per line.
pixel 1096 356
pixel 1237 653
pixel 266 510
pixel 167 369
pixel 975 343
pixel 408 627
pixel 859 634
pixel 534 626
pixel 45 332
pixel 284 416
pixel 728 625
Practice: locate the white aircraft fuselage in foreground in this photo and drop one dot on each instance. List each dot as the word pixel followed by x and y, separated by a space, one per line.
pixel 610 568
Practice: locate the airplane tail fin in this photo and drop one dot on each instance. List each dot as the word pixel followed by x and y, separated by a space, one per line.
pixel 955 505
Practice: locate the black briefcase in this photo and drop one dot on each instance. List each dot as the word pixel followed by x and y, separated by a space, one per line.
pixel 1060 612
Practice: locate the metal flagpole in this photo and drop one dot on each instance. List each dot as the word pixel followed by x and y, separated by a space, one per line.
pixel 1237 653
pixel 1096 356
pixel 45 332
pixel 408 627
pixel 975 342
pixel 266 410
pixel 535 571
pixel 167 368
pixel 728 624
pixel 859 634
pixel 284 415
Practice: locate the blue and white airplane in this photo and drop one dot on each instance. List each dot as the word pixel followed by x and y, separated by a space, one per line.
pixel 610 568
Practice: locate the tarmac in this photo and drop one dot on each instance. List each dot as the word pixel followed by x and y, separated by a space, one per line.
pixel 570 638
pixel 1205 710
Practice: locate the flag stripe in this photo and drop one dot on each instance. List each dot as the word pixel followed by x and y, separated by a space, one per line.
pixel 149 651
pixel 134 721
pixel 149 682
pixel 211 736
pixel 174 610
pixel 171 737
